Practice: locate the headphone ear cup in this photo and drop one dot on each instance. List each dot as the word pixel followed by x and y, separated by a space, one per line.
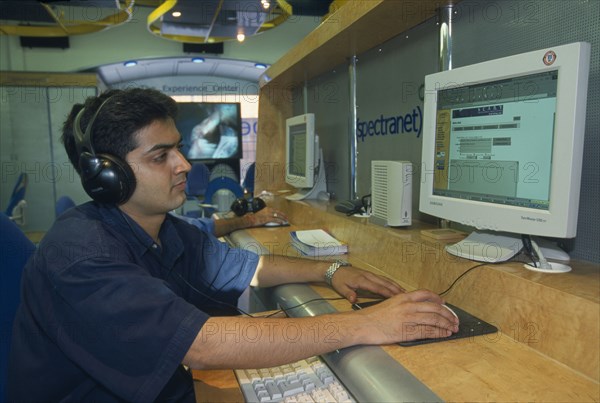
pixel 106 178
pixel 89 166
pixel 239 207
pixel 258 204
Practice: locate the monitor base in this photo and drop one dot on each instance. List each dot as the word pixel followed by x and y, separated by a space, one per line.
pixel 498 247
pixel 319 190
pixel 554 268
pixel 487 247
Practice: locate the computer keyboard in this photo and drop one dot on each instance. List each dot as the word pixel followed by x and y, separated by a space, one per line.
pixel 308 380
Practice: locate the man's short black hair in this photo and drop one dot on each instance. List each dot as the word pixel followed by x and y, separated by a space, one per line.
pixel 124 114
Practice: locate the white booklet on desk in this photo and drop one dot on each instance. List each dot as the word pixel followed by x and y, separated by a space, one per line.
pixel 317 242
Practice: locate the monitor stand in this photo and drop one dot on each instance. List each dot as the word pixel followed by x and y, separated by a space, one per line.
pixel 489 247
pixel 495 247
pixel 319 187
pixel 542 265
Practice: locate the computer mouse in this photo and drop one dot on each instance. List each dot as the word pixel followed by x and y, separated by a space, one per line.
pixel 277 224
pixel 349 206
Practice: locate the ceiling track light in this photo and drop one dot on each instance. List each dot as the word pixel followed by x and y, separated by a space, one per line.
pixel 164 20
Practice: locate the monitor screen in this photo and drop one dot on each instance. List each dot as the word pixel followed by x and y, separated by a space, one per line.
pixel 210 130
pixel 503 142
pixel 300 151
pixel 487 136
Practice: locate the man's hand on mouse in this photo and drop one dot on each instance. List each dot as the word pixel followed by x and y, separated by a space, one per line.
pixel 408 316
pixel 267 214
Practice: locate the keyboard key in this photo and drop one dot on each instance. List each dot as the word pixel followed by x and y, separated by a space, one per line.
pixel 263 396
pixel 289 390
pixel 273 390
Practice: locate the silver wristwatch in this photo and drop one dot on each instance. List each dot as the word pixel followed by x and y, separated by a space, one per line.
pixel 332 269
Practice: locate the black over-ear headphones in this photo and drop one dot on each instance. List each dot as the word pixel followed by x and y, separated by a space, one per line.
pixel 106 178
pixel 243 206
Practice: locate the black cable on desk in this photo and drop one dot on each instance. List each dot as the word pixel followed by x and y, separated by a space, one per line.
pixel 472 268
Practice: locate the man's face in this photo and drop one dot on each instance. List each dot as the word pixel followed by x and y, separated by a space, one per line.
pixel 160 170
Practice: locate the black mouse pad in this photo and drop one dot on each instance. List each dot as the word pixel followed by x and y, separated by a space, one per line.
pixel 469 326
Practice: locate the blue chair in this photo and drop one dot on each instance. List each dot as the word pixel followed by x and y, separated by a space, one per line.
pixel 248 183
pixel 16 203
pixel 195 188
pixel 63 204
pixel 226 190
pixel 15 250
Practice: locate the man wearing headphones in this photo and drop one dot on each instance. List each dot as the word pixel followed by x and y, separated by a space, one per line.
pixel 116 299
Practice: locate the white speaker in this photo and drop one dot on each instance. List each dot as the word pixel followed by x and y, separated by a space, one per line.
pixel 391 193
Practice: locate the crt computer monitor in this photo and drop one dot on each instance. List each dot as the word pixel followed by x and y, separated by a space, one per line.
pixel 503 142
pixel 304 169
pixel 210 131
pixel 300 151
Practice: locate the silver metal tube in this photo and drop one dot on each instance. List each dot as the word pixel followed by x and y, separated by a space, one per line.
pixel 445 15
pixel 352 132
pixel 305 96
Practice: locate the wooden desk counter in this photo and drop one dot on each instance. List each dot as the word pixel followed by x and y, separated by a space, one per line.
pixel 555 314
pixel 492 367
pixel 485 368
pixel 547 347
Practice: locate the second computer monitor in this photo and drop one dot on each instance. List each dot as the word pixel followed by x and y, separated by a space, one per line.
pixel 304 169
pixel 300 151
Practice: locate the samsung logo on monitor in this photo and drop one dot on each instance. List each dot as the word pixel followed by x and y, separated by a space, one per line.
pixel 434 203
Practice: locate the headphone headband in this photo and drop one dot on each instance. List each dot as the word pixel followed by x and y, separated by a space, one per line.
pixel 83 140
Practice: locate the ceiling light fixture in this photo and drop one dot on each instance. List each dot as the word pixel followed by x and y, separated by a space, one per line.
pixel 241 37
pixel 130 63
pixel 225 23
pixel 260 66
pixel 176 14
pixel 198 60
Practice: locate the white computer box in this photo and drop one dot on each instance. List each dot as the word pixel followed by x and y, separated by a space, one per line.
pixel 391 193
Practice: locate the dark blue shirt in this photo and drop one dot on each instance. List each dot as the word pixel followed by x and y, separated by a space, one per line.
pixel 108 315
